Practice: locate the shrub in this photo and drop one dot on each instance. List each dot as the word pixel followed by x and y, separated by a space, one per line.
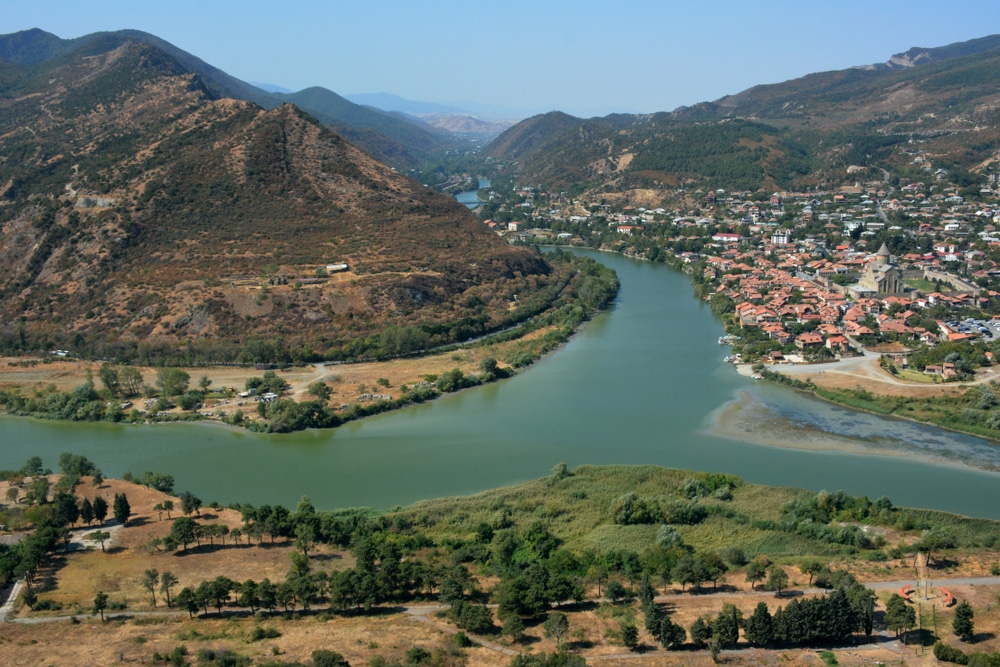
pixel 946 653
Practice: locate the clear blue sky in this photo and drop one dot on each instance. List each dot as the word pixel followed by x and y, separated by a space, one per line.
pixel 583 57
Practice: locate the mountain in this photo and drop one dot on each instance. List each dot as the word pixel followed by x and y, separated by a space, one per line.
pixel 270 87
pixel 391 102
pixel 392 140
pixel 786 135
pixel 144 216
pixel 400 142
pixel 468 126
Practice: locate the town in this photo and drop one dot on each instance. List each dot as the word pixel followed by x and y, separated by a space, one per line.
pixel 890 265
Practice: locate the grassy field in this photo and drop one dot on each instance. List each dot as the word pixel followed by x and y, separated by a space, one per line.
pixel 575 506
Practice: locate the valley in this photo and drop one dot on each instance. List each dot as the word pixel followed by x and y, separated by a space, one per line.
pixel 299 406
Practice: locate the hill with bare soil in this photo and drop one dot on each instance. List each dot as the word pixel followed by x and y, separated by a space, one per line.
pixel 135 205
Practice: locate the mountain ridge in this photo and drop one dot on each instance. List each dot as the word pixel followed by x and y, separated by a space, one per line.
pixel 141 209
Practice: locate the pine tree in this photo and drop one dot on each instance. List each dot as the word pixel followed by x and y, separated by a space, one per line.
pixel 100 509
pixel 760 626
pixel 962 624
pixel 122 509
pixel 87 511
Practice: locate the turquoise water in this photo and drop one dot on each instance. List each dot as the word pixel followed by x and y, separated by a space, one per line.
pixel 639 384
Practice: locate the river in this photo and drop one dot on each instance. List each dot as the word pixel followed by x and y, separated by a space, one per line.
pixel 641 383
pixel 471 197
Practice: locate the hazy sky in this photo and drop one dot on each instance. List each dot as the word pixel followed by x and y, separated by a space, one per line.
pixel 583 57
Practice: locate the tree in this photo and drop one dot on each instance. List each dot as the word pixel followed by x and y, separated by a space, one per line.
pixel 777 581
pixel 167 580
pixel 184 531
pixel 556 625
pixel 700 632
pixel 38 492
pixel 219 590
pixel 760 626
pixel 172 381
pixel 187 600
pixel 812 568
pixel 756 571
pixel 130 381
pixel 614 591
pixel 630 635
pixel 109 377
pixel 100 509
pixel 122 509
pixel 99 536
pixel 513 627
pixel 671 635
pixel 86 511
pixel 67 512
pixel 726 628
pixel 190 503
pixel 150 579
pixel 962 623
pixel 320 390
pixel 168 507
pixel 204 383
pixel 100 604
pixel 899 616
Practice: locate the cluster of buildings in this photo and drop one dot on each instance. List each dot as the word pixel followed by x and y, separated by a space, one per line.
pixel 804 268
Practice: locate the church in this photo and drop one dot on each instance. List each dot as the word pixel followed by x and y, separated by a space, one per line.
pixel 881 277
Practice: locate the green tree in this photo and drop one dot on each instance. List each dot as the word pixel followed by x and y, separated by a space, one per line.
pixel 899 615
pixel 760 626
pixel 186 600
pixel 513 627
pixel 99 536
pixel 777 581
pixel 630 635
pixel 167 581
pixel 756 571
pixel 109 378
pixel 172 381
pixel 671 635
pixel 87 511
pixel 100 604
pixel 556 626
pixel 150 579
pixel 100 509
pixel 962 624
pixel 726 627
pixel 183 531
pixel 812 568
pixel 321 391
pixel 700 633
pixel 130 381
pixel 122 509
pixel 614 591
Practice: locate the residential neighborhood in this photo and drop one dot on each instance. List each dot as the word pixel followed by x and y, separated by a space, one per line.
pixel 887 265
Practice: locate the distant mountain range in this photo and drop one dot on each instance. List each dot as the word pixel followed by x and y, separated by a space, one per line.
pixel 391 102
pixel 788 135
pixel 148 206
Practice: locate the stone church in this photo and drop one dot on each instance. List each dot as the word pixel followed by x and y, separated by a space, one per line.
pixel 882 276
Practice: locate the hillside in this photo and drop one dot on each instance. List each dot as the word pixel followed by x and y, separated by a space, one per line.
pixel 251 583
pixel 399 143
pixel 779 136
pixel 136 205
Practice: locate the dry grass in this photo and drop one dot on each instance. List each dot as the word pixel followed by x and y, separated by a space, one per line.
pixel 73 579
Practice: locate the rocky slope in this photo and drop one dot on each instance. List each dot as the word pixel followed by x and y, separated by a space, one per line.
pixel 138 210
